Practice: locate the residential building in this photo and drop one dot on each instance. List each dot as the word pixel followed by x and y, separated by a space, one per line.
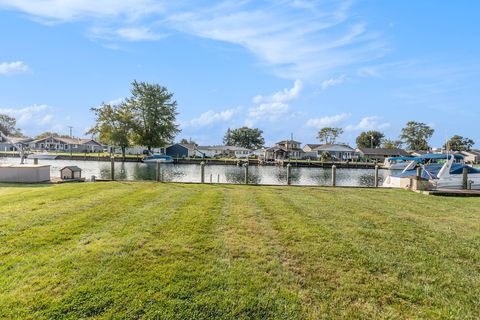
pixel 66 145
pixel 180 150
pixel 471 156
pixel 13 143
pixel 336 152
pixel 284 150
pixel 379 154
pixel 222 151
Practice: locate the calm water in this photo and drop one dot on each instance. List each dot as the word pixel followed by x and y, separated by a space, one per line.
pixel 221 173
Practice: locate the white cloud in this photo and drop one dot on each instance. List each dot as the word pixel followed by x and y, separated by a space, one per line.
pixel 273 107
pixel 368 123
pixel 61 10
pixel 138 34
pixel 333 82
pixel 327 121
pixel 283 96
pixel 299 39
pixel 210 117
pixel 36 118
pixel 13 67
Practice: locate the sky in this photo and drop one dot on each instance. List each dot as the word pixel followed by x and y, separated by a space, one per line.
pixel 288 67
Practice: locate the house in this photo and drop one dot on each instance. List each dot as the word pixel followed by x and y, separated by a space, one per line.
pixel 66 145
pixel 379 154
pixel 70 172
pixel 471 156
pixel 283 150
pixel 338 152
pixel 13 143
pixel 179 150
pixel 222 151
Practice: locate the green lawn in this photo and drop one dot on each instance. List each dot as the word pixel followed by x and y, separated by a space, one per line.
pixel 171 251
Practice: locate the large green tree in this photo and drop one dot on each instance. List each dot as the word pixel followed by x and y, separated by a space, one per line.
pixel 250 138
pixel 416 135
pixel 8 126
pixel 391 144
pixel 459 143
pixel 154 114
pixel 329 135
pixel 370 139
pixel 114 125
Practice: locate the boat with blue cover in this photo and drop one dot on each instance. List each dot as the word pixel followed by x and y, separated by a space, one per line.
pixel 154 158
pixel 441 175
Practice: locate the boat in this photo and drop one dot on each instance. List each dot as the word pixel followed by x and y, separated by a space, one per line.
pixel 157 158
pixel 42 156
pixel 446 175
pixel 397 163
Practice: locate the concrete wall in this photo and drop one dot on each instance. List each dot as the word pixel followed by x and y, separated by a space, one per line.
pixel 24 173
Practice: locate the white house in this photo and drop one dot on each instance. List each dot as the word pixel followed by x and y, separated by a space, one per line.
pixel 222 151
pixel 338 152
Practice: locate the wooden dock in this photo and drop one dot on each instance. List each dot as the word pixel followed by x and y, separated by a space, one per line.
pixel 452 193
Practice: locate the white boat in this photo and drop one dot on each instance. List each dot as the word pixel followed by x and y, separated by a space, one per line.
pixel 158 158
pixel 448 175
pixel 397 163
pixel 42 156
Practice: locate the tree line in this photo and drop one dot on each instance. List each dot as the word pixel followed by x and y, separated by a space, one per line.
pixel 148 118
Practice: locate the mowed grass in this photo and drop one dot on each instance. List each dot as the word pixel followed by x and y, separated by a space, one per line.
pixel 170 251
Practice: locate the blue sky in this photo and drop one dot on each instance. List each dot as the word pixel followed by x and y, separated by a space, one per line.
pixel 285 66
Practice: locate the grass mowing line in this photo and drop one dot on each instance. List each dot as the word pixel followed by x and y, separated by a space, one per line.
pixel 67 262
pixel 368 261
pixel 179 258
pixel 258 285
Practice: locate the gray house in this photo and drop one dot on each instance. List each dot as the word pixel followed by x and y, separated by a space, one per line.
pixel 58 144
pixel 13 143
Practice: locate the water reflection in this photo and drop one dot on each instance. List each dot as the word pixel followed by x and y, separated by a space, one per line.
pixel 218 173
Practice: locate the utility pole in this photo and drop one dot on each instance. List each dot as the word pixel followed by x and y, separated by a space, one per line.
pixel 71 137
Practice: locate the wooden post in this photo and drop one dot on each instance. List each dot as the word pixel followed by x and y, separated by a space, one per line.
pixel 35 161
pixel 334 176
pixel 465 178
pixel 202 172
pixel 289 174
pixel 211 178
pixel 376 176
pixel 157 173
pixel 245 166
pixel 218 178
pixel 112 167
pixel 419 173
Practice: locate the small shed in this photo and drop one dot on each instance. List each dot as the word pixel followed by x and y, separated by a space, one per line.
pixel 70 172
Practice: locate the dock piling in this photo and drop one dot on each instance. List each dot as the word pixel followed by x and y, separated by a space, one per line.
pixel 289 174
pixel 245 166
pixel 376 176
pixel 334 176
pixel 112 167
pixel 218 178
pixel 465 178
pixel 35 161
pixel 157 171
pixel 202 172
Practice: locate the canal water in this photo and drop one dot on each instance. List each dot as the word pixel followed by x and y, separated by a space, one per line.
pixel 216 173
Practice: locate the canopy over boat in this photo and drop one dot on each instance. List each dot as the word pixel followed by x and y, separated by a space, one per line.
pixel 428 156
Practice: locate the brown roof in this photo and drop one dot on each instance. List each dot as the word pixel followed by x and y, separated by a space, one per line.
pixel 288 141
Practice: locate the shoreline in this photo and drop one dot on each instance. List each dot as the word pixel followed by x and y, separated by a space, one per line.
pixel 231 162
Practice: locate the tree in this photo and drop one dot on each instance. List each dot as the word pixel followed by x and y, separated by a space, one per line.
pixel 250 138
pixel 459 143
pixel 50 134
pixel 370 139
pixel 7 126
pixel 154 114
pixel 329 135
pixel 391 144
pixel 114 125
pixel 187 141
pixel 416 135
